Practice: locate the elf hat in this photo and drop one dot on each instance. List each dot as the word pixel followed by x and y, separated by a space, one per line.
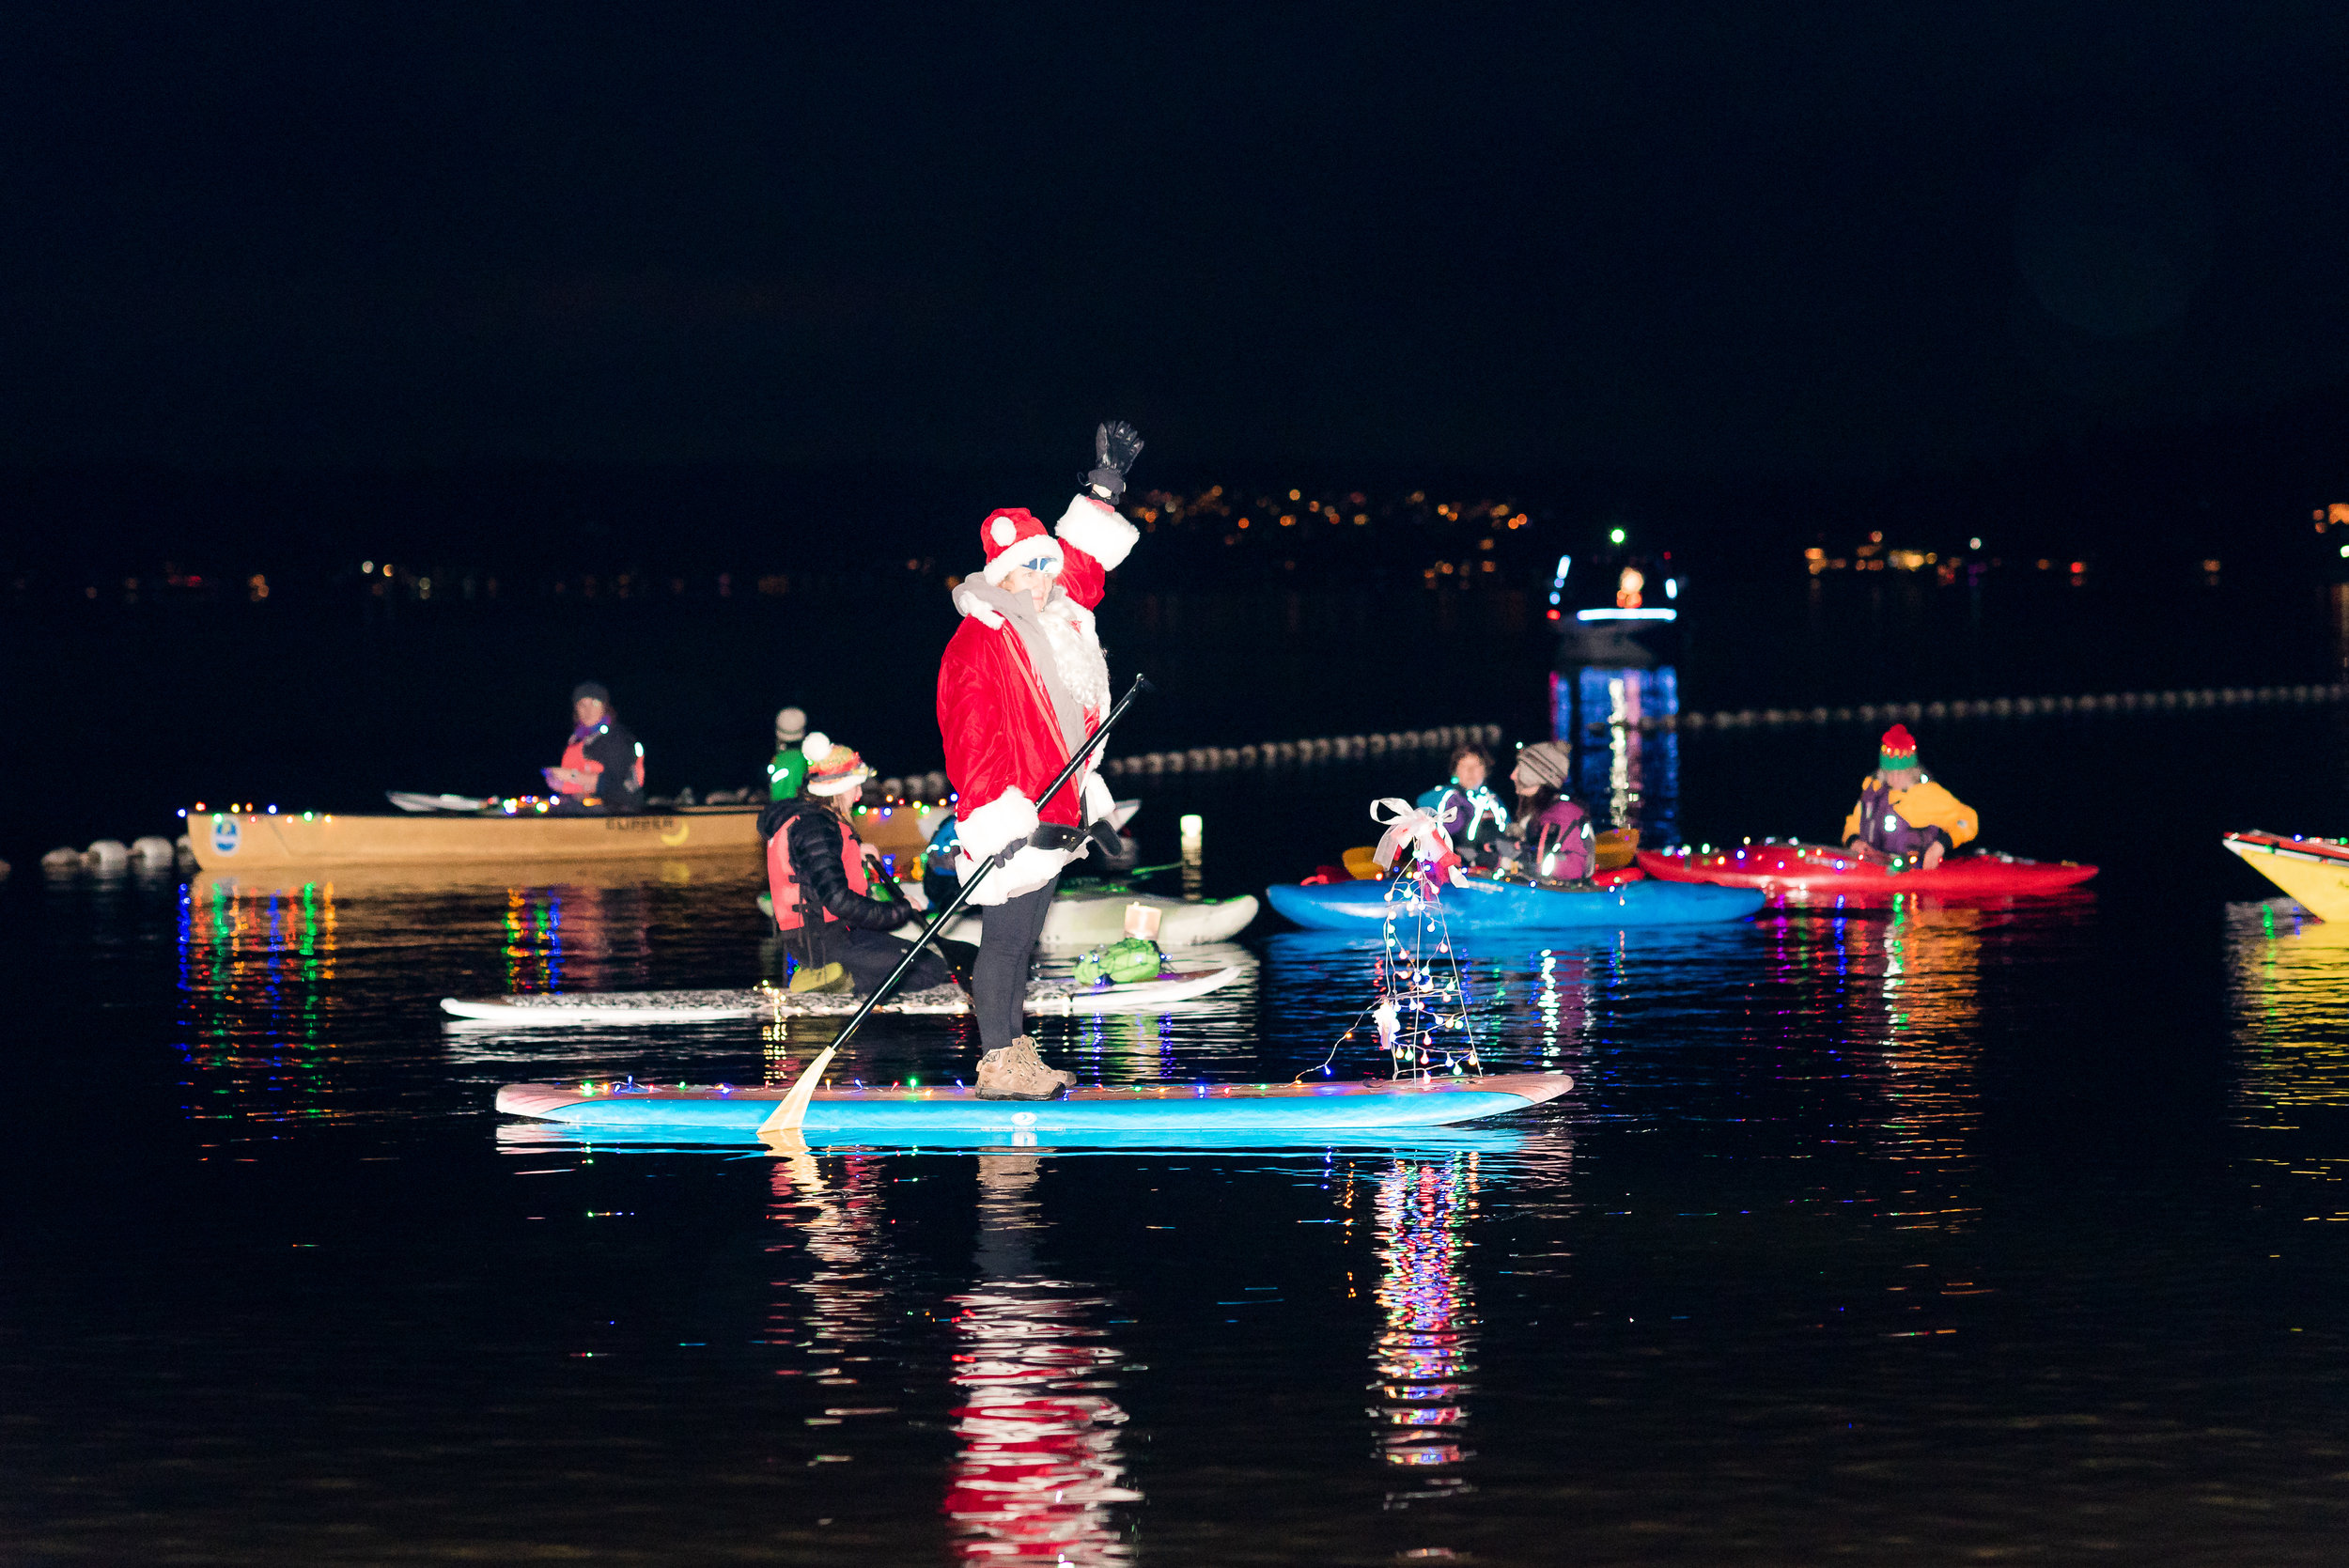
pixel 1014 538
pixel 1897 750
pixel 832 767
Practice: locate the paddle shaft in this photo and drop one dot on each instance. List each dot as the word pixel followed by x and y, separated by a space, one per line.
pixel 962 895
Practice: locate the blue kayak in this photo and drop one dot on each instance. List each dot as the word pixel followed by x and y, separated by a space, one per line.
pixel 911 1115
pixel 1513 906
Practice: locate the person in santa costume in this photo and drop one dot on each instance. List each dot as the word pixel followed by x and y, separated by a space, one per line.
pixel 1020 687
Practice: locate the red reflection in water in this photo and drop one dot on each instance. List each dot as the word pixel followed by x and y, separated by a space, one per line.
pixel 1039 1471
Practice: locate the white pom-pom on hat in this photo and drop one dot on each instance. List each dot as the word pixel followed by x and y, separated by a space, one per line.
pixel 816 747
pixel 1005 531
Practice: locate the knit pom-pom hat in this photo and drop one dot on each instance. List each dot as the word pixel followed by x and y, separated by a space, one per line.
pixel 832 767
pixel 1897 750
pixel 1544 763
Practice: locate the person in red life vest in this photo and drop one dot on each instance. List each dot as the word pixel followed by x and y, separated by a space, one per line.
pixel 1549 839
pixel 1020 687
pixel 604 765
pixel 1902 812
pixel 821 885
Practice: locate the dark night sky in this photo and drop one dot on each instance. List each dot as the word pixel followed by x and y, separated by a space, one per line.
pixel 1796 239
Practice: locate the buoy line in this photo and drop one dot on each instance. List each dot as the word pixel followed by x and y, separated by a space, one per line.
pixel 1223 759
pixel 2193 700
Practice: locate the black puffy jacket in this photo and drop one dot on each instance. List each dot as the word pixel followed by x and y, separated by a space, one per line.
pixel 815 845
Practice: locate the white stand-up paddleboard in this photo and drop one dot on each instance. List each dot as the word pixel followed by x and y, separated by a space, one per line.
pixel 626 1009
pixel 1083 919
pixel 1087 920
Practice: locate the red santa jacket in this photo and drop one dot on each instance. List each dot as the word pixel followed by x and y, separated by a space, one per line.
pixel 1003 744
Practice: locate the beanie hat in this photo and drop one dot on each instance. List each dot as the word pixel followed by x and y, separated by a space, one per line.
pixel 832 767
pixel 790 724
pixel 1014 538
pixel 1897 750
pixel 1544 763
pixel 588 688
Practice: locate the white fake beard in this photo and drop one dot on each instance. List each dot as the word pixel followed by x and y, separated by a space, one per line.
pixel 1077 653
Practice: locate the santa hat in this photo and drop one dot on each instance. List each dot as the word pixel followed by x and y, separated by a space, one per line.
pixel 832 767
pixel 1014 538
pixel 1897 750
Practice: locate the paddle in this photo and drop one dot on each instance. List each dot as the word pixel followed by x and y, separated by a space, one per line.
pixel 791 1110
pixel 1093 743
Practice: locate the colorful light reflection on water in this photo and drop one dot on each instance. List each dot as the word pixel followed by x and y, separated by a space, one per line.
pixel 1426 1342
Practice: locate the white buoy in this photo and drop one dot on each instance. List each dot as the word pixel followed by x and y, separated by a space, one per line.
pixel 151 851
pixel 106 854
pixel 62 860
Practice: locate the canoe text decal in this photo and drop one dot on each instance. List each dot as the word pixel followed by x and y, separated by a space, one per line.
pixel 664 826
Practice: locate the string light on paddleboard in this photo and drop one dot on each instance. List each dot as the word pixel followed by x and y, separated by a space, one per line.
pixel 1407 979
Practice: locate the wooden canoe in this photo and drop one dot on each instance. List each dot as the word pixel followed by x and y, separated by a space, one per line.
pixel 252 840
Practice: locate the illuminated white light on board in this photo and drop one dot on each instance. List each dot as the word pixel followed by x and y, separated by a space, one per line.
pixel 1672 588
pixel 1626 614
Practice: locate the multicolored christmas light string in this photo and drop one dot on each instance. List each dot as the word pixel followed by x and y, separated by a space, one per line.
pixel 1409 982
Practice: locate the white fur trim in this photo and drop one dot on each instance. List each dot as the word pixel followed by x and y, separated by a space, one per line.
pixel 986 615
pixel 1037 547
pixel 1029 870
pixel 1095 527
pixel 816 747
pixel 986 831
pixel 1099 803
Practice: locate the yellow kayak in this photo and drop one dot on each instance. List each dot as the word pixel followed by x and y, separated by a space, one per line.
pixel 2314 871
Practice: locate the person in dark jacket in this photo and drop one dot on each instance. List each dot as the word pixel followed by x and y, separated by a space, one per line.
pixel 604 765
pixel 822 887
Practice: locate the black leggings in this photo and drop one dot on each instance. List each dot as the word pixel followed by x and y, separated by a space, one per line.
pixel 871 957
pixel 999 981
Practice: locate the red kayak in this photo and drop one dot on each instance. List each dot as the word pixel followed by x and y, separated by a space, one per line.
pixel 1821 874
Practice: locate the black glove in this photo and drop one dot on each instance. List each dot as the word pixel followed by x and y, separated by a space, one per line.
pixel 1115 445
pixel 1104 839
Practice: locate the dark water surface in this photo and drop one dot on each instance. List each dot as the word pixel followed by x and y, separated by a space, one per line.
pixel 1939 1235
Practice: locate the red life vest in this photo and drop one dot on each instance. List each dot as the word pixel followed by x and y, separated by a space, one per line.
pixel 783 879
pixel 575 757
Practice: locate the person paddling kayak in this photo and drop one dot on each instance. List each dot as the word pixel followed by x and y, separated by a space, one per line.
pixel 820 883
pixel 1470 813
pixel 1022 686
pixel 1902 812
pixel 1551 838
pixel 788 771
pixel 603 764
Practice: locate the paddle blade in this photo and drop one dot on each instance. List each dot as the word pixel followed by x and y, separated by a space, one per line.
pixel 792 1108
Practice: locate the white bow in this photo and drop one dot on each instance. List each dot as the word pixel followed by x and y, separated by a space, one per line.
pixel 1408 824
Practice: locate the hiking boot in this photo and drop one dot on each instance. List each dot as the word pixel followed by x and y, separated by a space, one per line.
pixel 829 978
pixel 1015 1072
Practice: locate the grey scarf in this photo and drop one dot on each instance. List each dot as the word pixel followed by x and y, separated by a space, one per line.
pixel 1020 609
